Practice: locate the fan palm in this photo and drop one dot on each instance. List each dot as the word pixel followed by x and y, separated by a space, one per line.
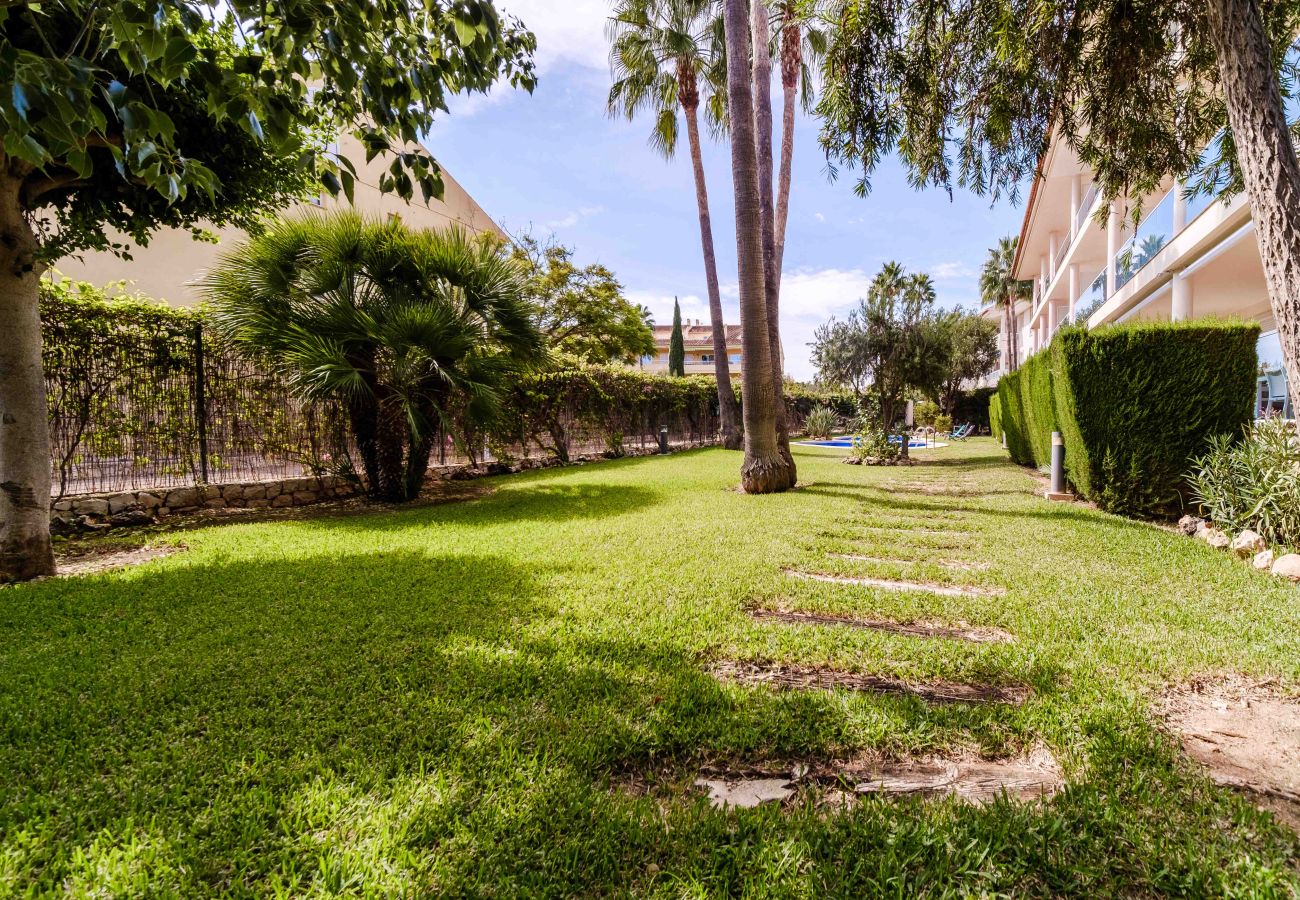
pixel 800 43
pixel 999 287
pixel 662 53
pixel 415 332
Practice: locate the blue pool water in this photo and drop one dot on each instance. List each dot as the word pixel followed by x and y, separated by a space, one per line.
pixel 848 442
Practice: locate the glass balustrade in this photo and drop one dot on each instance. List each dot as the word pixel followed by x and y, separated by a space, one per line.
pixel 1091 297
pixel 1154 231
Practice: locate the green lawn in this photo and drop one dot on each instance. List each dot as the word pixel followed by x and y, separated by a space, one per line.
pixel 454 699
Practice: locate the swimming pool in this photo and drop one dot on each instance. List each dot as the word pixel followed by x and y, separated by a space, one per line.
pixel 848 442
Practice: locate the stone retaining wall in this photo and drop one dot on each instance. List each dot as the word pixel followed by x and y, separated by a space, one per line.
pixel 96 512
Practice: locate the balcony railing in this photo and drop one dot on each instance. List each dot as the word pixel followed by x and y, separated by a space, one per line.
pixel 1091 298
pixel 1154 231
pixel 1085 208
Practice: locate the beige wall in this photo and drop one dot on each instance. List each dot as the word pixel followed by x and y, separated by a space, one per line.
pixel 166 268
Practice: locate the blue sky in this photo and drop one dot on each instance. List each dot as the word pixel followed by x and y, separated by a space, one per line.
pixel 553 163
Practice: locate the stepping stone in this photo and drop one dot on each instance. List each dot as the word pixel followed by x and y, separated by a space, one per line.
pixel 960 632
pixel 809 678
pixel 888 584
pixel 745 793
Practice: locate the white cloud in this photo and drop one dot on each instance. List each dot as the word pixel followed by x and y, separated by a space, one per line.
pixel 819 217
pixel 568 31
pixel 661 306
pixel 951 271
pixel 573 218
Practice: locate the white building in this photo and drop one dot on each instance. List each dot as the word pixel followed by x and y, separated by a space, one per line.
pixel 1186 259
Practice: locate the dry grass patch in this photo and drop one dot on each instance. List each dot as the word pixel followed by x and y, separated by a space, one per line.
pixel 954 564
pixel 1246 734
pixel 109 558
pixel 811 678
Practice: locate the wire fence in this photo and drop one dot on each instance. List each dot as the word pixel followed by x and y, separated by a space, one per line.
pixel 143 400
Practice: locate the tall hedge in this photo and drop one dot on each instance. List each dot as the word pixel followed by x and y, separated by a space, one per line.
pixel 1134 403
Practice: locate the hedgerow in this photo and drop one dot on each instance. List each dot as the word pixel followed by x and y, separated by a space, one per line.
pixel 1134 405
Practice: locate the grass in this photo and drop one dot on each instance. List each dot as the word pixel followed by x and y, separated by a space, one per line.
pixel 450 699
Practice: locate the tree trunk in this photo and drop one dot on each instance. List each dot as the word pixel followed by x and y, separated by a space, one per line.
pixel 728 408
pixel 1268 162
pixel 762 101
pixel 791 64
pixel 764 470
pixel 25 548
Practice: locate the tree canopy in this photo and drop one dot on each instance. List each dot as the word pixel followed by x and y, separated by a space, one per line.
pixel 969 94
pixel 143 114
pixel 891 342
pixel 582 311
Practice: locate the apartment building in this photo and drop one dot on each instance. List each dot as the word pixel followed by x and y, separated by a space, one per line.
pixel 168 268
pixel 697 337
pixel 1185 259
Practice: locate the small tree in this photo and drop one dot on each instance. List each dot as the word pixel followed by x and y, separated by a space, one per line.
pixel 582 311
pixel 676 346
pixel 892 342
pixel 416 332
pixel 972 353
pixel 126 117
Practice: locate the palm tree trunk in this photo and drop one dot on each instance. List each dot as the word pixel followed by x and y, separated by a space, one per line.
pixel 764 470
pixel 762 100
pixel 728 408
pixel 25 548
pixel 791 63
pixel 1267 159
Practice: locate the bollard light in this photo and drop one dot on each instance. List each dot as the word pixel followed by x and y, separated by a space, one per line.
pixel 1058 491
pixel 663 440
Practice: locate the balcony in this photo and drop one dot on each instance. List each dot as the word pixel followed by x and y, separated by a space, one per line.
pixel 1154 231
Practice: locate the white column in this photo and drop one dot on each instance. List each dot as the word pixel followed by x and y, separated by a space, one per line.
pixel 1181 306
pixel 1074 290
pixel 1180 207
pixel 1112 246
pixel 1051 320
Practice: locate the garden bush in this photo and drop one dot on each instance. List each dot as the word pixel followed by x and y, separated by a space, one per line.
pixel 1253 483
pixel 820 423
pixel 1135 405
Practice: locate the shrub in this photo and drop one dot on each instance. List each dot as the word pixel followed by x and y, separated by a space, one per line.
pixel 820 423
pixel 1134 404
pixel 1253 483
pixel 943 424
pixel 925 413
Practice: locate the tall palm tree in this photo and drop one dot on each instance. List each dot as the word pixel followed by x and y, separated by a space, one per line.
pixel 661 53
pixel 761 70
pixel 765 470
pixel 415 332
pixel 800 43
pixel 999 287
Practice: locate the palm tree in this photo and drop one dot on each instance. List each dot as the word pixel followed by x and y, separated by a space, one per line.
pixel 765 470
pixel 661 52
pixel 801 43
pixel 761 66
pixel 415 332
pixel 999 287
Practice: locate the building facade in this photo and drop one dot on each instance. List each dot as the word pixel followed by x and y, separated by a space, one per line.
pixel 1185 259
pixel 168 268
pixel 698 340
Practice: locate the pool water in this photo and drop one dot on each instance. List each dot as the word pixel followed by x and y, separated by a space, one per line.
pixel 848 442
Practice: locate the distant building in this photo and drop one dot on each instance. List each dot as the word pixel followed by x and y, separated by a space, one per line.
pixel 698 340
pixel 168 267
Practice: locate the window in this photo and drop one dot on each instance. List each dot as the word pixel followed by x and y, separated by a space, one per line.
pixel 734 359
pixel 1272 398
pixel 687 359
pixel 706 357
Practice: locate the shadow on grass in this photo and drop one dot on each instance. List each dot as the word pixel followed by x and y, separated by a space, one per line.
pixel 245 724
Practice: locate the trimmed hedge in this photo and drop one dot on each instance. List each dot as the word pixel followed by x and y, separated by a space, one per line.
pixel 1134 405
